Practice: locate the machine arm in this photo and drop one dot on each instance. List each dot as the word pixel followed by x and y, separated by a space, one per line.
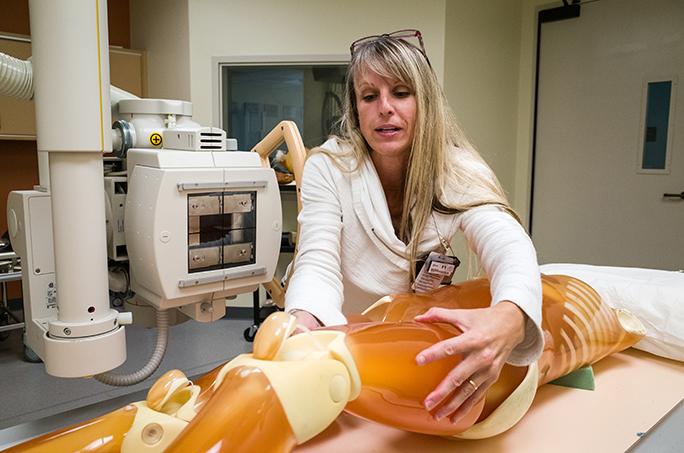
pixel 284 131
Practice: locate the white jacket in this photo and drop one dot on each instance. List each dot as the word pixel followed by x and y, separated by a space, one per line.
pixel 349 255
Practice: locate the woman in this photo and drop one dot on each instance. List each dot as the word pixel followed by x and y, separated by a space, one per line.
pixel 397 183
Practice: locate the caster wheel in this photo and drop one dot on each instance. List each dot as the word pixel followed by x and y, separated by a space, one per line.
pixel 250 333
pixel 31 356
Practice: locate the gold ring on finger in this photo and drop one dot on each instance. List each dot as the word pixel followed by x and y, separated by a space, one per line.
pixel 473 384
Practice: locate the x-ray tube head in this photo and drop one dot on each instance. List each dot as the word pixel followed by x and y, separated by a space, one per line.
pixel 202 226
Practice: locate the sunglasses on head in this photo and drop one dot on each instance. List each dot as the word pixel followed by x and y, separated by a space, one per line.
pixel 409 36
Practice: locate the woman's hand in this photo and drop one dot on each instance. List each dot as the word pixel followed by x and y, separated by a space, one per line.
pixel 306 319
pixel 489 336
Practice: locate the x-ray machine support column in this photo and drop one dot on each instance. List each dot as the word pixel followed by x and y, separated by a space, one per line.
pixel 71 81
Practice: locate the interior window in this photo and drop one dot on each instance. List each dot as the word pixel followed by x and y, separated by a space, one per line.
pixel 256 98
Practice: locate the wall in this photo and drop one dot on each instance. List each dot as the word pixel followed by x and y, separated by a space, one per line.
pixel 489 79
pixel 15 19
pixel 306 27
pixel 481 81
pixel 481 77
pixel 490 63
pixel 161 28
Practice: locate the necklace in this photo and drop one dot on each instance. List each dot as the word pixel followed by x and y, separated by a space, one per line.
pixel 442 239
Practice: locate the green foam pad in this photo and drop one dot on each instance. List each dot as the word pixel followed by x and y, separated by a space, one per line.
pixel 582 378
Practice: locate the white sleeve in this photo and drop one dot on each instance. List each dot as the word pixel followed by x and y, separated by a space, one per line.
pixel 316 282
pixel 510 262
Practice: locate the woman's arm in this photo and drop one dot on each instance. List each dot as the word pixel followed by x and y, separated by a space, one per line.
pixel 509 260
pixel 316 283
pixel 508 331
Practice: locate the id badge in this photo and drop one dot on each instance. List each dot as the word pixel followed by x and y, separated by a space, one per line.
pixel 437 270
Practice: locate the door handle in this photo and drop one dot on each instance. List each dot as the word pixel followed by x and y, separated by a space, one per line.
pixel 674 195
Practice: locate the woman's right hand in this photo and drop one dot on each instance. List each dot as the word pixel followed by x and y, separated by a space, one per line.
pixel 306 319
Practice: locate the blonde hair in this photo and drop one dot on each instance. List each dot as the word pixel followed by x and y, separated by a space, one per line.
pixel 444 173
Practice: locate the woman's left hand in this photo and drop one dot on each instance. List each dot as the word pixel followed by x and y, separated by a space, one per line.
pixel 489 336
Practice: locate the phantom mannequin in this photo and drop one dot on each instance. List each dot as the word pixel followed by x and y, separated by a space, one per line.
pixel 293 386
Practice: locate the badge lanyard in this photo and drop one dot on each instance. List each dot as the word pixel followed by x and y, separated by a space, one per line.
pixel 438 268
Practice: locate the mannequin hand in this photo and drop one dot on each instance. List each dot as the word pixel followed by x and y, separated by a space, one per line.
pixel 306 319
pixel 489 336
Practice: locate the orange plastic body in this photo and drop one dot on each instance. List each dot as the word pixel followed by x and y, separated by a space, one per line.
pixel 393 387
pixel 578 330
pixel 244 413
pixel 103 434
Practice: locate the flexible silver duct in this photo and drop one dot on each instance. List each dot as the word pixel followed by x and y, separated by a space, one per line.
pixel 121 380
pixel 16 80
pixel 16 77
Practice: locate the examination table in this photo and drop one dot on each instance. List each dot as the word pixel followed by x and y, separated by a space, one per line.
pixel 634 390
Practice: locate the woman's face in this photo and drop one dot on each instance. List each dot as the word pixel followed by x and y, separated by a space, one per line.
pixel 387 113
